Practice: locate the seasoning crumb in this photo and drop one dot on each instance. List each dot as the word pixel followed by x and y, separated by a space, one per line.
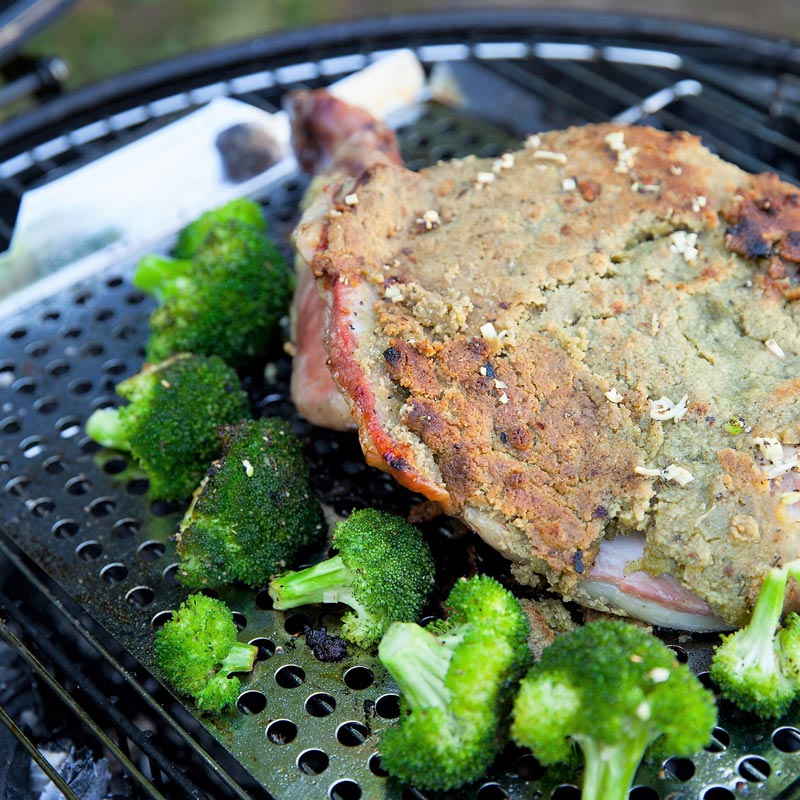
pixel 248 468
pixel 550 155
pixel 613 396
pixel 775 348
pixel 351 199
pixel 569 184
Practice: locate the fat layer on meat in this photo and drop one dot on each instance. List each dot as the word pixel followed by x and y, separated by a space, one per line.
pixel 591 337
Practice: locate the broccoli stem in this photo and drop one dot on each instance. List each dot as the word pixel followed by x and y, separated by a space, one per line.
pixel 107 429
pixel 609 770
pixel 754 640
pixel 240 658
pixel 153 270
pixel 326 582
pixel 418 661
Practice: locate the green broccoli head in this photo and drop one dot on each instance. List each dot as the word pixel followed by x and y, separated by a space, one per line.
pixel 457 681
pixel 383 571
pixel 197 650
pixel 254 513
pixel 170 424
pixel 756 666
pixel 227 300
pixel 192 238
pixel 614 690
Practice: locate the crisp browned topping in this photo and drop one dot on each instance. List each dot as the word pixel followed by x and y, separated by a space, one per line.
pixel 765 224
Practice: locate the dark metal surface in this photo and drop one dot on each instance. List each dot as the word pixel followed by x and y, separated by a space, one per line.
pixel 95 550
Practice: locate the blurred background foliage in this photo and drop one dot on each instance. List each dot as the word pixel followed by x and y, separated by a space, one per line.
pixel 99 38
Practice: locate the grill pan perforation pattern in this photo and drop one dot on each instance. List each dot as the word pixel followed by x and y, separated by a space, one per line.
pixel 303 728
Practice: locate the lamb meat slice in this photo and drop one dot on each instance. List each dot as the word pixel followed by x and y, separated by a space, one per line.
pixel 591 338
pixel 332 140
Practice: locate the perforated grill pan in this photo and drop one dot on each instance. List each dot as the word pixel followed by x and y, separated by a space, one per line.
pixel 305 728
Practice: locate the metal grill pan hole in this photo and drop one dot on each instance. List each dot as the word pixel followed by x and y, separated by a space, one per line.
pixel 787 740
pixel 78 485
pixel 80 386
pixel 32 446
pixel 290 677
pixel 717 793
pixel 491 791
pixel 46 405
pixel 643 793
pixel 264 601
pixel 388 706
pixel 251 702
pixel 313 762
pixel 102 507
pixel 170 574
pixel 266 648
pixel 68 427
pixel 682 769
pixel 140 596
pixel 528 767
pixel 239 619
pixel 10 425
pixel 375 767
pixel 137 486
pixel 42 507
pixel 24 386
pixel 126 527
pixel 296 624
pixel 680 653
pixel 282 731
pixel 18 487
pixel 115 465
pixel 345 790
pixel 160 619
pixel 114 573
pixel 320 704
pixel 720 740
pixel 754 769
pixel 53 465
pixel 89 551
pixel 359 678
pixel 352 733
pixel 151 551
pixel 566 791
pixel 65 528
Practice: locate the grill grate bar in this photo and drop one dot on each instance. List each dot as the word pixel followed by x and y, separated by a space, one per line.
pixel 40 760
pixel 128 677
pixel 542 88
pixel 66 698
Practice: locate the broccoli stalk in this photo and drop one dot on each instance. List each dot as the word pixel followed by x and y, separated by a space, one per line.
pixel 457 680
pixel 155 271
pixel 383 572
pixel 197 650
pixel 170 424
pixel 254 513
pixel 614 690
pixel 108 429
pixel 756 667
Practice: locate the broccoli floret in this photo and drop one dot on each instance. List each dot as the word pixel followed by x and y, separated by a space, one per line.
pixel 457 681
pixel 170 424
pixel 191 238
pixel 254 512
pixel 197 650
pixel 613 689
pixel 756 667
pixel 383 571
pixel 227 299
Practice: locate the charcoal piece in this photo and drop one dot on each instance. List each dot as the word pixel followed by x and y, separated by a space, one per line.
pixel 85 776
pixel 325 647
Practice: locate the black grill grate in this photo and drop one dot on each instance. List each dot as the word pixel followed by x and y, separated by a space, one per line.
pixel 95 566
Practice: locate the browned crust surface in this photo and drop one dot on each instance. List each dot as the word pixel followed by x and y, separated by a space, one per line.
pixel 580 253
